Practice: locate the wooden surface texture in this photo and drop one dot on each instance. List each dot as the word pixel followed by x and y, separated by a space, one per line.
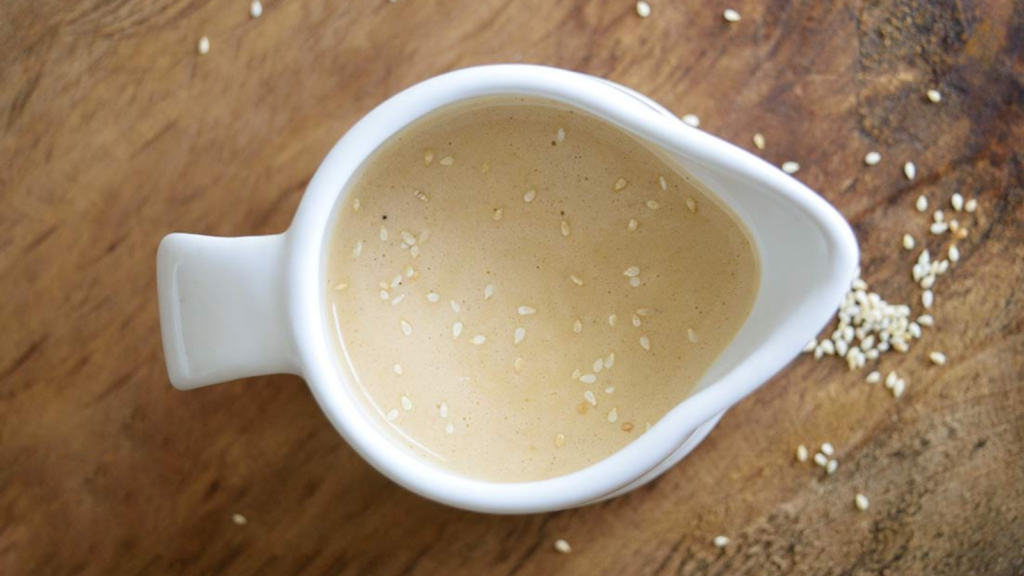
pixel 114 132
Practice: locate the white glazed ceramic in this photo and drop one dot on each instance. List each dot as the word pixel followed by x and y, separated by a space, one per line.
pixel 238 307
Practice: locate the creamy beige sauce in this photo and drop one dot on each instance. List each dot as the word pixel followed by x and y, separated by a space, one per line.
pixel 623 279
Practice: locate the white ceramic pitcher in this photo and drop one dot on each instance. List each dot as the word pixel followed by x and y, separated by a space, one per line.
pixel 238 307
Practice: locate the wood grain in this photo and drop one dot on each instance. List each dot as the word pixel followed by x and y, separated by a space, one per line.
pixel 113 132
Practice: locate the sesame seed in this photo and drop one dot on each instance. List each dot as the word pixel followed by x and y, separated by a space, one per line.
pixel 497 214
pixel 611 320
pixel 653 204
pixel 576 279
pixel 957 201
pixel 447 161
pixel 691 120
pixel 529 196
pixel 636 320
pixel 613 415
pixel 443 409
pixel 456 330
pixel 790 167
pixel 811 345
pixel 954 253
pixel 759 141
pixel 358 249
pixel 899 387
pixel 455 306
pixel 874 377
pixel 356 204
pixel 872 158
pixel 909 170
pixel 908 242
pixel 926 320
pixel 722 541
pixel 632 271
pixel 598 365
pixel 662 182
pixel 565 228
pixel 827 449
pixel 939 216
pixel 562 546
pixel 610 360
pixel 627 427
pixel 518 364
pixel 691 335
pixel 433 297
pixel 203 46
pixel 921 204
pixel 731 15
pixel 518 335
pixel 576 374
pixel 590 398
pixel 255 9
pixel 414 251
pixel 239 520
pixel 634 282
pixel 927 298
pixel 340 286
pixel 560 135
pixel 577 326
pixel 588 378
pixel 645 343
pixel 821 460
pixel 831 467
pixel 428 157
pixel 384 295
pixel 449 428
pixel 478 339
pixel 398 299
pixel 406 328
pixel 526 310
pixel 407 237
pixel 801 453
pixel 934 96
pixel 861 502
pixel 392 414
pixel 383 233
pixel 971 205
pixel 409 272
pixel 406 403
pixel 937 358
pixel 890 379
pixel 488 291
pixel 560 440
pixel 939 228
pixel 632 225
pixel 620 184
pixel 643 9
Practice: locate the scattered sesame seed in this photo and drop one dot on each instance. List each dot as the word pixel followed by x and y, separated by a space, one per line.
pixel 239 520
pixel 384 295
pixel 653 204
pixel 861 502
pixel 927 298
pixel 874 377
pixel 576 279
pixel 529 196
pixel 939 216
pixel 872 158
pixel 632 271
pixel 691 335
pixel 632 225
pixel 831 467
pixel 926 320
pixel 478 339
pixel 340 286
pixel 526 310
pixel 455 306
pixel 447 161
pixel 908 242
pixel 449 428
pixel 398 299
pixel 759 141
pixel 934 96
pixel 576 374
pixel 790 167
pixel 610 360
pixel 722 541
pixel 939 228
pixel 634 282
pixel 456 330
pixel 590 398
pixel 562 546
pixel 560 135
pixel 392 414
pixel 643 9
pixel 827 449
pixel 921 204
pixel 954 253
pixel 356 204
pixel 443 409
pixel 598 365
pixel 407 237
pixel 560 440
pixel 957 201
pixel 731 15
pixel 909 170
pixel 428 157
pixel 588 378
pixel 611 320
pixel 971 205
pixel 620 184
pixel 937 358
pixel 613 415
pixel 565 228
pixel 691 120
pixel 383 233
pixel 821 460
pixel 899 387
pixel 518 335
pixel 497 214
pixel 645 343
pixel 433 297
pixel 406 328
pixel 358 249
pixel 577 326
pixel 255 9
pixel 203 47
pixel 801 453
pixel 488 291
pixel 406 403
pixel 409 272
pixel 414 251
pixel 811 345
pixel 662 182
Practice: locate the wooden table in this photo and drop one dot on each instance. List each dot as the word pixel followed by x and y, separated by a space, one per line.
pixel 114 132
